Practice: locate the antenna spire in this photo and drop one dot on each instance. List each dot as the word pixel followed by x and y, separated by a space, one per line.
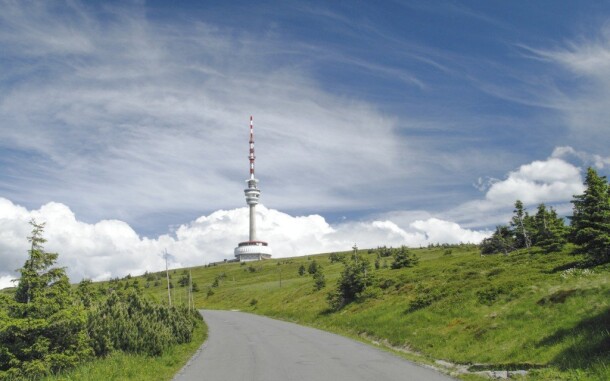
pixel 251 157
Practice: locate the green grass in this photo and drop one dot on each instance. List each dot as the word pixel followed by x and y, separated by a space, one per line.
pixel 523 311
pixel 122 366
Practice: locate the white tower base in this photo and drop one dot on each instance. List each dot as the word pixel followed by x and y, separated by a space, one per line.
pixel 252 251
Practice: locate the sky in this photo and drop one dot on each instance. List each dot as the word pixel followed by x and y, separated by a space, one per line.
pixel 124 125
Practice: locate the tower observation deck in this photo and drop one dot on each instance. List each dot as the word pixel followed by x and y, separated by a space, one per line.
pixel 253 249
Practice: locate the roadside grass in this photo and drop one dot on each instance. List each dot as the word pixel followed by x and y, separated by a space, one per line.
pixel 121 366
pixel 528 310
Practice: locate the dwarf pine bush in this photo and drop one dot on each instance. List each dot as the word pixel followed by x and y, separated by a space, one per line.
pixel 132 324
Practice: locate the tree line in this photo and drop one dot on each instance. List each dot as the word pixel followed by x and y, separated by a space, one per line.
pixel 589 228
pixel 48 326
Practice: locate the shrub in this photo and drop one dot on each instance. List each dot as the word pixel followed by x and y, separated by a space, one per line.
pixel 386 283
pixel 132 324
pixel 404 258
pixel 335 257
pixel 319 280
pixel 423 299
pixel 313 267
pixel 352 283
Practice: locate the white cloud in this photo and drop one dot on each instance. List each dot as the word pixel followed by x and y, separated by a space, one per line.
pixel 437 230
pixel 585 157
pixel 111 248
pixel 581 91
pixel 548 180
pixel 553 181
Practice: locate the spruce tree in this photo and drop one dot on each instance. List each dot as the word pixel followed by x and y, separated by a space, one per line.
pixel 352 283
pixel 48 286
pixel 45 330
pixel 520 226
pixel 404 258
pixel 501 241
pixel 549 230
pixel 590 228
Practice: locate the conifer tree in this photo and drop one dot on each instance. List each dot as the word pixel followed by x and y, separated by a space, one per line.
pixel 45 330
pixel 501 241
pixel 353 282
pixel 549 230
pixel 590 228
pixel 404 258
pixel 520 226
pixel 39 281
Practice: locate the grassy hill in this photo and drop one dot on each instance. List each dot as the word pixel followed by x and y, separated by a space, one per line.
pixel 523 311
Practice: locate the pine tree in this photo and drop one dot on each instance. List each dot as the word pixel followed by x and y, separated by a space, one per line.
pixel 404 258
pixel 46 329
pixel 352 283
pixel 313 267
pixel 520 226
pixel 590 228
pixel 501 241
pixel 549 231
pixel 319 281
pixel 39 281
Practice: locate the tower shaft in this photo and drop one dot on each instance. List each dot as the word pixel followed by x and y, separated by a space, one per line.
pixel 252 192
pixel 252 222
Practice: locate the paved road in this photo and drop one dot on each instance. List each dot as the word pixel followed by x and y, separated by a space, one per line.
pixel 246 347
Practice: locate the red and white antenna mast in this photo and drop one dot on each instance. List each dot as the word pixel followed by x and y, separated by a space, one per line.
pixel 251 157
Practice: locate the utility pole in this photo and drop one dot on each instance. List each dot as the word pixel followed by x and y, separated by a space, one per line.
pixel 191 301
pixel 169 295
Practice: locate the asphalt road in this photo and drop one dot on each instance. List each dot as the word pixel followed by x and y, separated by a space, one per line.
pixel 248 347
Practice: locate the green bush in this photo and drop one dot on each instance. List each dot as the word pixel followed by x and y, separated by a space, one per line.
pixel 352 284
pixel 423 299
pixel 404 258
pixel 335 257
pixel 313 267
pixel 319 281
pixel 132 324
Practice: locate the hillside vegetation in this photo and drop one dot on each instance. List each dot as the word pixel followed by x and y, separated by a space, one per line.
pixel 526 310
pixel 49 328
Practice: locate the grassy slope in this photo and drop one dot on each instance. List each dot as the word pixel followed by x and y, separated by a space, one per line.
pixel 518 311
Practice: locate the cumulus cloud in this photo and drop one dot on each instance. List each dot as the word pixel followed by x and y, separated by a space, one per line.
pixel 552 181
pixel 112 248
pixel 548 180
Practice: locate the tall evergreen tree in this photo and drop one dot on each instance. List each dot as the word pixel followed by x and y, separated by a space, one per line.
pixel 590 228
pixel 39 281
pixel 45 330
pixel 549 231
pixel 520 226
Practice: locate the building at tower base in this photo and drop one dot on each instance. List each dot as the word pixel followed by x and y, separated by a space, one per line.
pixel 252 251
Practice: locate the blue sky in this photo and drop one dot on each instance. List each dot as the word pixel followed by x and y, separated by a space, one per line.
pixel 396 115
